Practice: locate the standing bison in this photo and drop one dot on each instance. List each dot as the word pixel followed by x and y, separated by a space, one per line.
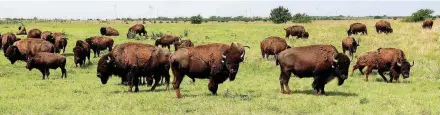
pixel 272 46
pixel 349 44
pixel 98 43
pixel 356 28
pixel 7 40
pixel 427 24
pixel 81 51
pixel 23 49
pixel 167 40
pixel 60 42
pixel 21 30
pixel 383 26
pixel 183 44
pixel 44 61
pixel 137 29
pixel 369 60
pixel 322 62
pixel 48 36
pixel 297 31
pixel 216 62
pixel 34 33
pixel 109 31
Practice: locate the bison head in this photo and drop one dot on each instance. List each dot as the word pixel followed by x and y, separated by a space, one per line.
pixel 13 54
pixel 349 32
pixel 355 45
pixel 305 34
pixel 405 68
pixel 341 63
pixel 105 68
pixel 89 41
pixel 232 58
pixel 30 63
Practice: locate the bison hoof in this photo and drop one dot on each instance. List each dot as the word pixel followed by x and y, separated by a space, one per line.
pixel 179 96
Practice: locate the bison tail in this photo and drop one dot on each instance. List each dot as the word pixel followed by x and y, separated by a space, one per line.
pixel 277 62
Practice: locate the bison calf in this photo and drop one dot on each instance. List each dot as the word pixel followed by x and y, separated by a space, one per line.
pixel 272 46
pixel 44 61
pixel 369 60
pixel 349 44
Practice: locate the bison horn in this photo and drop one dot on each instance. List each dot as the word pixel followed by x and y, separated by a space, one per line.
pixel 223 61
pixel 224 57
pixel 399 64
pixel 109 59
pixel 247 47
pixel 334 60
pixel 242 55
pixel 412 63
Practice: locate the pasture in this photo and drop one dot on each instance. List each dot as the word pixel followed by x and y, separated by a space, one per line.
pixel 256 89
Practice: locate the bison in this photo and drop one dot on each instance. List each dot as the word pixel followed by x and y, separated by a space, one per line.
pixel 349 44
pixel 109 31
pixel 23 49
pixel 21 30
pixel 48 35
pixel 60 42
pixel 427 24
pixel 80 55
pixel 217 62
pixel 7 40
pixel 132 60
pixel 297 31
pixel 167 40
pixel 44 61
pixel 356 28
pixel 137 29
pixel 369 60
pixel 322 62
pixel 183 44
pixel 98 43
pixel 34 33
pixel 272 46
pixel 383 26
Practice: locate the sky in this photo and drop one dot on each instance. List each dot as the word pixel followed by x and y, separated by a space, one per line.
pixel 149 9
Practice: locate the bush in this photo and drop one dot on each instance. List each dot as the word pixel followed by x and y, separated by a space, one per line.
pixel 185 33
pixel 301 18
pixel 420 15
pixel 280 15
pixel 196 19
pixel 377 17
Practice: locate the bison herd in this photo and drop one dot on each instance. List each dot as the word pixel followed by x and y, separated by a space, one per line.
pixel 137 63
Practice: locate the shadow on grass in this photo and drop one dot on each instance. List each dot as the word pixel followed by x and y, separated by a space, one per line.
pixel 69 54
pixel 327 93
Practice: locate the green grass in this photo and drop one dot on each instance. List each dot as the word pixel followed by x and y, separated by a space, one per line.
pixel 256 89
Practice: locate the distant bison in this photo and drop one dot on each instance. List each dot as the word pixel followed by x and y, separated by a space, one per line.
pixel 98 43
pixel 383 26
pixel 21 30
pixel 60 42
pixel 322 62
pixel 356 28
pixel 7 40
pixel 167 40
pixel 349 44
pixel 427 24
pixel 297 31
pixel 44 61
pixel 23 49
pixel 272 46
pixel 138 29
pixel 183 44
pixel 34 33
pixel 109 31
pixel 81 51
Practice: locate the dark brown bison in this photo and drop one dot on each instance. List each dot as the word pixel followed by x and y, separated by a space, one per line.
pixel 167 40
pixel 23 49
pixel 427 24
pixel 109 31
pixel 383 26
pixel 356 28
pixel 349 44
pixel 322 62
pixel 132 60
pixel 217 62
pixel 98 43
pixel 369 60
pixel 21 30
pixel 272 46
pixel 297 31
pixel 7 40
pixel 60 41
pixel 48 35
pixel 138 29
pixel 81 52
pixel 34 33
pixel 183 44
pixel 44 61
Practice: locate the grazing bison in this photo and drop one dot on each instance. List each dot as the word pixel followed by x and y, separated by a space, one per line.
pixel 60 42
pixel 21 30
pixel 7 40
pixel 98 43
pixel 132 60
pixel 183 44
pixel 34 33
pixel 427 24
pixel 272 46
pixel 23 49
pixel 79 56
pixel 138 29
pixel 322 62
pixel 85 47
pixel 369 60
pixel 216 62
pixel 44 61
pixel 356 28
pixel 383 26
pixel 109 31
pixel 297 31
pixel 349 44
pixel 167 40
pixel 47 35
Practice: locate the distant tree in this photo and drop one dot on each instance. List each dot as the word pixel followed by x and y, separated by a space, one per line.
pixel 301 18
pixel 377 17
pixel 280 15
pixel 196 19
pixel 420 15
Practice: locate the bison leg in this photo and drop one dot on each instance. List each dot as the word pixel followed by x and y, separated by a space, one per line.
pixel 169 48
pixel 63 72
pixel 47 73
pixel 284 82
pixel 130 78
pixel 212 87
pixel 98 52
pixel 381 74
pixel 94 53
pixel 43 72
pixel 167 80
pixel 369 70
pixel 287 36
pixel 176 83
pixel 149 80
pixel 156 81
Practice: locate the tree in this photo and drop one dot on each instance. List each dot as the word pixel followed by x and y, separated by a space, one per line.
pixel 420 15
pixel 280 15
pixel 301 18
pixel 196 19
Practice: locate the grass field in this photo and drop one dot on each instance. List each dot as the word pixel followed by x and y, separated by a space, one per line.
pixel 256 89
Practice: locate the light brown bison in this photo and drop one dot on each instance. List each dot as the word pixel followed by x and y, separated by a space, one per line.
pixel 356 28
pixel 23 49
pixel 138 29
pixel 297 31
pixel 60 42
pixel 34 33
pixel 322 62
pixel 109 31
pixel 132 60
pixel 81 52
pixel 183 44
pixel 369 60
pixel 167 40
pixel 44 61
pixel 98 43
pixel 427 24
pixel 21 30
pixel 48 35
pixel 383 26
pixel 349 44
pixel 217 62
pixel 7 40
pixel 272 46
